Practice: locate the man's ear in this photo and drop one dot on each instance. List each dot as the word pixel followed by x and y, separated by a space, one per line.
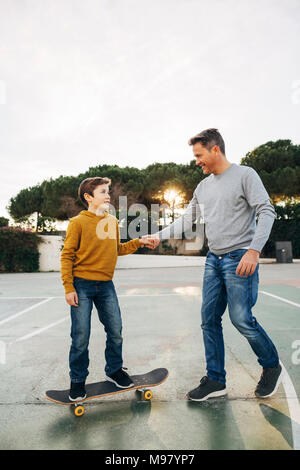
pixel 216 149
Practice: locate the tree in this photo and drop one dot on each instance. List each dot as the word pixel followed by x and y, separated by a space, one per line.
pixel 278 164
pixel 4 222
pixel 58 197
pixel 26 202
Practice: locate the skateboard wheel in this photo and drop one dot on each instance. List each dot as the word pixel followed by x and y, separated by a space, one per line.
pixel 79 410
pixel 148 395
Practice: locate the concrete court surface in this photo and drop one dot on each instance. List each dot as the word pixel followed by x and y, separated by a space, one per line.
pixel 161 328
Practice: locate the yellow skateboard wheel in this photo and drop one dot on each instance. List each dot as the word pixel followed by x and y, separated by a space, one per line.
pixel 148 395
pixel 79 410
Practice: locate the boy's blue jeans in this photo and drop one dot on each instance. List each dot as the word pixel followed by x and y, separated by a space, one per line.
pixel 222 287
pixel 103 295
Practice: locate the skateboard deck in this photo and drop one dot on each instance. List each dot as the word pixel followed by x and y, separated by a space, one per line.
pixel 102 389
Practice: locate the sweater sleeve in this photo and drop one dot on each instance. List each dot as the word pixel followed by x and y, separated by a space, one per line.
pixel 71 244
pixel 127 247
pixel 258 198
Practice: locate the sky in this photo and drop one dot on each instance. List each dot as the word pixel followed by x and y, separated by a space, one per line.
pixel 128 82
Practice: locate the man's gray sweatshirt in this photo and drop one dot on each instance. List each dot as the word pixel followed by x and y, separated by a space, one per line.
pixel 228 204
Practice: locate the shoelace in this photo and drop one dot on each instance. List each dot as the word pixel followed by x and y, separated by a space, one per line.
pixel 123 369
pixel 204 380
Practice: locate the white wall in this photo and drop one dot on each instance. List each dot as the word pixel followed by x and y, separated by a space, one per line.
pixel 50 252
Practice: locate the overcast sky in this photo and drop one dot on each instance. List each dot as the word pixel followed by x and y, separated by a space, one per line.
pixel 127 82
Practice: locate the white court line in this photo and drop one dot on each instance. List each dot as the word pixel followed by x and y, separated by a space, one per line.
pixel 294 407
pixel 41 330
pixel 28 297
pixel 280 298
pixel 289 389
pixel 37 332
pixel 12 317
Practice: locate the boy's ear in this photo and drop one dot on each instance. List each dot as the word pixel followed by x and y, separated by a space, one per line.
pixel 87 197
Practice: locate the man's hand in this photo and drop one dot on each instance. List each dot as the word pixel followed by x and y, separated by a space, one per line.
pixel 154 240
pixel 248 263
pixel 72 299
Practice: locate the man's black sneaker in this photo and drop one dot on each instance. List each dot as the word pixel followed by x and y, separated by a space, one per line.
pixel 77 391
pixel 208 388
pixel 269 382
pixel 121 379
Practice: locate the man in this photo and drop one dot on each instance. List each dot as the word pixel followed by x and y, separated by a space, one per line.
pixel 229 199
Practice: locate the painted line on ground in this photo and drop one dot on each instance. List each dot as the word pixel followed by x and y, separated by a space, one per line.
pixel 16 315
pixel 29 297
pixel 294 406
pixel 41 330
pixel 289 389
pixel 280 298
pixel 51 325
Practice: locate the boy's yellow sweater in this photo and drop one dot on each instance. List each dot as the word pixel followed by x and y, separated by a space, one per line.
pixel 91 248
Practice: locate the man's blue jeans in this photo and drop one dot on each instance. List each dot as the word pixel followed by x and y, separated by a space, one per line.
pixel 103 295
pixel 222 287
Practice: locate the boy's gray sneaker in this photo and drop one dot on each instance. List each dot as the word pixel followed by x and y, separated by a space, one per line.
pixel 121 379
pixel 269 382
pixel 208 388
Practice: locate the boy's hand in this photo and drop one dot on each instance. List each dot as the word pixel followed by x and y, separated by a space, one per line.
pixel 248 263
pixel 72 299
pixel 147 241
pixel 153 239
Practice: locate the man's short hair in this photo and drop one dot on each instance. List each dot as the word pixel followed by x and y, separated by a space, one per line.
pixel 208 138
pixel 88 185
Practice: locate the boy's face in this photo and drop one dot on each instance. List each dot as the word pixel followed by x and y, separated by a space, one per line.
pixel 101 199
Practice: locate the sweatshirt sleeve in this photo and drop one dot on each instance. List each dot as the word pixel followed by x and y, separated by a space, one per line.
pixel 258 198
pixel 71 244
pixel 127 247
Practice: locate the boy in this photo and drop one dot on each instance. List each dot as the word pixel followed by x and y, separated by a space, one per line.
pixel 88 260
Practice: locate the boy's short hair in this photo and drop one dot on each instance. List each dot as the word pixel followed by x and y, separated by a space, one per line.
pixel 88 185
pixel 208 138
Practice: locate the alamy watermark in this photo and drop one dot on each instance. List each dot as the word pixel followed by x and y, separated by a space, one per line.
pixel 137 221
pixel 296 353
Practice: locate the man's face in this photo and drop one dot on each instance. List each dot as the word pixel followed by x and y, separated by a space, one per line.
pixel 101 199
pixel 204 157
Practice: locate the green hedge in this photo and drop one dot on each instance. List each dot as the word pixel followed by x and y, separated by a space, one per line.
pixel 18 250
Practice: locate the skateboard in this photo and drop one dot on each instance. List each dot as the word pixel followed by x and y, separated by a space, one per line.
pixel 141 382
